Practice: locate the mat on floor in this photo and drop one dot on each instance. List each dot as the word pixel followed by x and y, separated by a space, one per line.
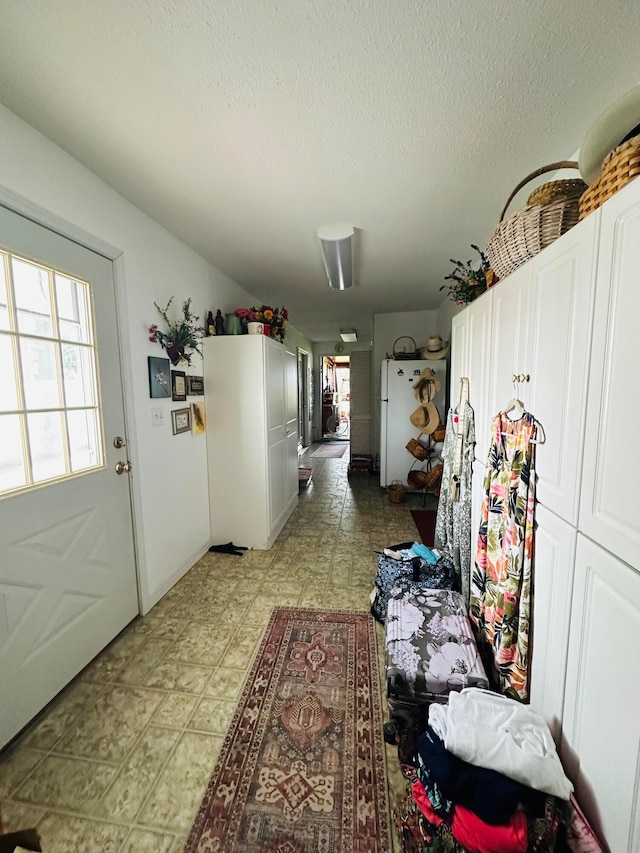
pixel 304 475
pixel 425 522
pixel 302 766
pixel 330 451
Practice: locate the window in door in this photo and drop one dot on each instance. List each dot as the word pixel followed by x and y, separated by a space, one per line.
pixel 50 420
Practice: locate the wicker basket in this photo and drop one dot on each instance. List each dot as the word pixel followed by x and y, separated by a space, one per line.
pixel 416 449
pixel 564 190
pixel 418 479
pixel 405 355
pixel 439 433
pixel 530 230
pixel 396 492
pixel 619 167
pixel 434 475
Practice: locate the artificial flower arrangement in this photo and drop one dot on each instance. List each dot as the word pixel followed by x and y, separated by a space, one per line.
pixel 181 334
pixel 469 281
pixel 275 318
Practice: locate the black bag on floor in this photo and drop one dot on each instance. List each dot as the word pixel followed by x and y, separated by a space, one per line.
pixel 394 575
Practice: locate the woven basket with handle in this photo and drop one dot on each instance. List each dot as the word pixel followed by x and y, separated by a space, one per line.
pixel 619 167
pixel 396 492
pixel 417 449
pixel 404 353
pixel 530 230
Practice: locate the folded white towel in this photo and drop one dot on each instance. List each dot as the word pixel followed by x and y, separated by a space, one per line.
pixel 492 731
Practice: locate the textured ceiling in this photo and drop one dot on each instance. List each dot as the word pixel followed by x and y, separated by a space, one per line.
pixel 243 126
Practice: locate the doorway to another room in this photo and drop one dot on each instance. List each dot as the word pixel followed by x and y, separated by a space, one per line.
pixel 336 398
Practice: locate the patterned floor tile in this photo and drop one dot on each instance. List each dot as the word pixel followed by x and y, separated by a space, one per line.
pixel 182 783
pixel 180 677
pixel 129 790
pixel 145 841
pixel 60 833
pixel 155 704
pixel 108 729
pixel 67 783
pixel 212 715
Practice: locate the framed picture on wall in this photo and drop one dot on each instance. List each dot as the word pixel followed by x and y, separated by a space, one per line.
pixel 198 418
pixel 181 420
pixel 195 386
pixel 178 385
pixel 159 377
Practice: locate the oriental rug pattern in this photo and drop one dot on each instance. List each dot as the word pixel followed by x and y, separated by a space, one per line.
pixel 302 766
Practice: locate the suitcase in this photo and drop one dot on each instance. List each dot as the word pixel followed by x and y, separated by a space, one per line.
pixel 393 575
pixel 429 649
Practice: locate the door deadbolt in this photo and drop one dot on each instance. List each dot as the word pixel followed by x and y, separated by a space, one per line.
pixel 118 442
pixel 123 467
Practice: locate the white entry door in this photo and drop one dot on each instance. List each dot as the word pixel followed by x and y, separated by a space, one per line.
pixel 67 570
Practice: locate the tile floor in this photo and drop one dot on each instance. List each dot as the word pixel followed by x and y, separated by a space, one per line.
pixel 119 762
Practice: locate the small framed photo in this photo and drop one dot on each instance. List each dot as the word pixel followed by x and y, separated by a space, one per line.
pixel 198 418
pixel 178 386
pixel 159 377
pixel 181 420
pixel 195 386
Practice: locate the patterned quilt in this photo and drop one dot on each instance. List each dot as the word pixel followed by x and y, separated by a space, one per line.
pixel 429 644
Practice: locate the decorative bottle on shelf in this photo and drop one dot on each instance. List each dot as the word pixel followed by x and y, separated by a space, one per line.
pixel 219 323
pixel 211 325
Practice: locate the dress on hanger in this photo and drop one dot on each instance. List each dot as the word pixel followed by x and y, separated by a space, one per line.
pixel 453 521
pixel 500 600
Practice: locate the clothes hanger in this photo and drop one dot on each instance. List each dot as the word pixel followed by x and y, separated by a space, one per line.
pixel 514 410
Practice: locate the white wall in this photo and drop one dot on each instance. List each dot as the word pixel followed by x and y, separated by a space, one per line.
pixel 387 328
pixel 170 488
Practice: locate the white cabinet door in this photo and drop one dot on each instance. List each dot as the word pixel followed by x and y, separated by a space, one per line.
pixel 601 731
pixel 562 291
pixel 291 427
pixel 609 502
pixel 552 588
pixel 479 315
pixel 459 357
pixel 510 338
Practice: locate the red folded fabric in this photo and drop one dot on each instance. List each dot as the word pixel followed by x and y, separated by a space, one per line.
pixel 474 834
pixel 424 804
pixel 480 837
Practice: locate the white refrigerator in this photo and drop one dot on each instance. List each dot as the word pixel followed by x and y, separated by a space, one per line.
pixel 397 404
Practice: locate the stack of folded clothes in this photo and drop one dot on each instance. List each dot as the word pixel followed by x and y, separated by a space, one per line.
pixel 487 776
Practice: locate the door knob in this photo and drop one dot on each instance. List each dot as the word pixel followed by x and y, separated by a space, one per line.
pixel 123 467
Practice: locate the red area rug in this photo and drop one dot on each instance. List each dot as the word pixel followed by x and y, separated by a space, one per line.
pixel 425 521
pixel 302 768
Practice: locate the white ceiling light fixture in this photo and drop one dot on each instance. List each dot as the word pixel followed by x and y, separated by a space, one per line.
pixel 349 336
pixel 337 251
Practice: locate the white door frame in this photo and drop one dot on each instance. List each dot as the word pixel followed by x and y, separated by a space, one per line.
pixel 23 206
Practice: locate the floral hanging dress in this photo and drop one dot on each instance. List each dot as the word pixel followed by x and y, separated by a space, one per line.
pixel 453 521
pixel 500 598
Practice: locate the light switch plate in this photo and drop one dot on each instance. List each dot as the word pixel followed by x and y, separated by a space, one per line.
pixel 157 417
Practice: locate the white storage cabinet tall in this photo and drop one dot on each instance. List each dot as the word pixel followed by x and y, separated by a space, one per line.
pixel 252 438
pixel 568 320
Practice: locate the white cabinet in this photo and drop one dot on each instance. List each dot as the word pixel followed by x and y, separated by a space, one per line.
pixel 510 333
pixel 552 588
pixel 569 320
pixel 601 730
pixel 610 502
pixel 541 329
pixel 562 287
pixel 471 357
pixel 250 383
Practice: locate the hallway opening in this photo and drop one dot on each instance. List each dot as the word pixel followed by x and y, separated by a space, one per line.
pixel 336 398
